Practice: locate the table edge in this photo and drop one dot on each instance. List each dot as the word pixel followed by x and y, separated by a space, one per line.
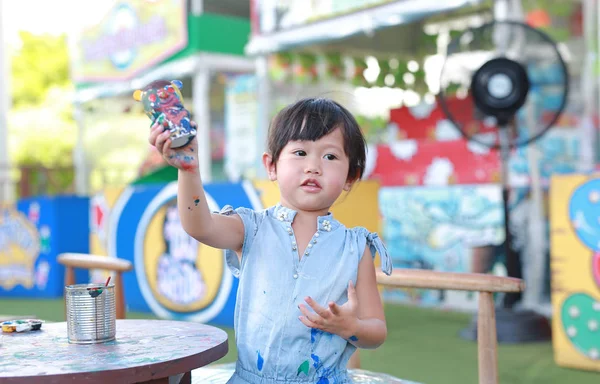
pixel 139 373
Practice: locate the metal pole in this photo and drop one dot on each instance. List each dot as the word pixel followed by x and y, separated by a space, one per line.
pixel 264 112
pixel 535 250
pixel 201 100
pixel 80 159
pixel 596 64
pixel 587 133
pixel 196 7
pixel 6 187
pixel 513 262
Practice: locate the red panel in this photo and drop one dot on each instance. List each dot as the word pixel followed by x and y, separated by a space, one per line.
pixel 426 162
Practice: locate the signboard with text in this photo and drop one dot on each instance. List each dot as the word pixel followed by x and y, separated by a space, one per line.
pixel 134 35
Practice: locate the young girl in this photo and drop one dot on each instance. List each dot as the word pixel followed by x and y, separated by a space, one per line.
pixel 307 295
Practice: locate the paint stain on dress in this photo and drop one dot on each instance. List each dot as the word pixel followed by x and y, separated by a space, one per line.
pixel 303 368
pixel 316 361
pixel 323 380
pixel 259 361
pixel 314 332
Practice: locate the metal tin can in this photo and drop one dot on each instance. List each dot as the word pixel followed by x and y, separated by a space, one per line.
pixel 91 313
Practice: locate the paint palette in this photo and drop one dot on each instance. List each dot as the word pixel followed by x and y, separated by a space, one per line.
pixel 23 325
pixel 163 103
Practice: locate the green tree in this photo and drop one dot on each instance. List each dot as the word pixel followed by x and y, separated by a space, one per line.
pixel 41 128
pixel 40 63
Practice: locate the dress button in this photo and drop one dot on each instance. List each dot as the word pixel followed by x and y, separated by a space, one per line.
pixel 295 275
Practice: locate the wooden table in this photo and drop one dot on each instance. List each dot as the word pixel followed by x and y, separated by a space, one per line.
pixel 144 351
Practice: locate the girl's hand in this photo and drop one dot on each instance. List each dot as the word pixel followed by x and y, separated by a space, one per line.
pixel 341 320
pixel 185 158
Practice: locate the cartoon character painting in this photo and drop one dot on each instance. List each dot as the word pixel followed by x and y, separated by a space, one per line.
pixel 575 266
pixel 163 103
pixel 178 276
pixel 584 214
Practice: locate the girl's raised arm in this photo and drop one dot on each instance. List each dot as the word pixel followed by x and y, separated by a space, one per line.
pixel 218 231
pixel 212 229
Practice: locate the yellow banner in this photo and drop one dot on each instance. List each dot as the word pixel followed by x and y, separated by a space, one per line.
pixel 575 264
pixel 133 36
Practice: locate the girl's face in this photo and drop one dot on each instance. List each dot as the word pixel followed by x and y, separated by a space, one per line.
pixel 311 174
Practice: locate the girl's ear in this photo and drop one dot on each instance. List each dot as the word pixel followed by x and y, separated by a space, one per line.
pixel 350 183
pixel 269 166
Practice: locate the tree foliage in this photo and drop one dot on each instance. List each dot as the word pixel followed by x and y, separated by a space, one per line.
pixel 39 64
pixel 40 124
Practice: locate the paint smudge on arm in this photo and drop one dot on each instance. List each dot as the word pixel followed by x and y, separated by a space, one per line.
pixel 196 202
pixel 182 159
pixel 353 338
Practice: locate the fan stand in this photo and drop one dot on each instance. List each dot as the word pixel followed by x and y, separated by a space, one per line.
pixel 500 88
pixel 513 326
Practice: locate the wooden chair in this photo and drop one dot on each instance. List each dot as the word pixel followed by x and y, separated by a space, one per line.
pixel 485 284
pixel 86 261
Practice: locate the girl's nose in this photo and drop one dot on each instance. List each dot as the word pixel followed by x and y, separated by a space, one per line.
pixel 311 167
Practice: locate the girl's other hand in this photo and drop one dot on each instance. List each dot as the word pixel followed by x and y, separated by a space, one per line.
pixel 341 320
pixel 184 158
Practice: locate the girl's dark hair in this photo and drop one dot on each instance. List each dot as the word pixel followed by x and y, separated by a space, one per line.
pixel 313 118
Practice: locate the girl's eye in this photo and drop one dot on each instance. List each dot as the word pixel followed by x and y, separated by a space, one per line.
pixel 300 153
pixel 330 157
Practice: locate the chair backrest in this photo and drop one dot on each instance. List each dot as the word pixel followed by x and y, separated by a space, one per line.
pixel 485 284
pixel 87 261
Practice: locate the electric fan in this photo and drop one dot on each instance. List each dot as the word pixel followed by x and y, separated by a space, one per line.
pixel 517 87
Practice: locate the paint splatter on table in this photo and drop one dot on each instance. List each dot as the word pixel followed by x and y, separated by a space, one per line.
pixel 143 350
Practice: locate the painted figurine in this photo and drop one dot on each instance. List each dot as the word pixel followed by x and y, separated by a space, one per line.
pixel 163 102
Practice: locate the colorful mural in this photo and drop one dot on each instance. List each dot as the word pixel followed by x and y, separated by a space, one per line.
pixel 176 277
pixel 575 266
pixel 435 228
pixel 32 234
pixel 19 251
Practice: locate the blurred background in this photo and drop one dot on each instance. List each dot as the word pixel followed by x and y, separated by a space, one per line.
pixel 77 173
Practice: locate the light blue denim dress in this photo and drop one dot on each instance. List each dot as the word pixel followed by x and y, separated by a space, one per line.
pixel 273 345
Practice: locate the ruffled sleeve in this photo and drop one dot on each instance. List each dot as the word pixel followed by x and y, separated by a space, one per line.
pixel 376 245
pixel 250 220
pixel 372 240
